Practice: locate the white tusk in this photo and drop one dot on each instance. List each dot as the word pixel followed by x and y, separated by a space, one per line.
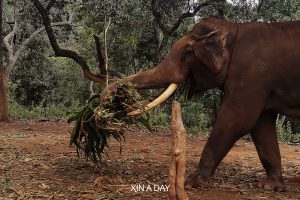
pixel 163 97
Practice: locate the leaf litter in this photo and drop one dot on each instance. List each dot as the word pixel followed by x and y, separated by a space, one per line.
pixel 53 171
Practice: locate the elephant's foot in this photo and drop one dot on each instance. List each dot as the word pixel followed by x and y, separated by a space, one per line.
pixel 196 180
pixel 273 183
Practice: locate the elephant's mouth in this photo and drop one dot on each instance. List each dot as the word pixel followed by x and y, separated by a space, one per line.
pixel 163 97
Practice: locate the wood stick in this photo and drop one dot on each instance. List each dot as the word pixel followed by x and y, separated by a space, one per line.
pixel 178 157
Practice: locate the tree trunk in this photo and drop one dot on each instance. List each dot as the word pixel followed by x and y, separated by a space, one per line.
pixel 3 93
pixel 177 167
pixel 3 97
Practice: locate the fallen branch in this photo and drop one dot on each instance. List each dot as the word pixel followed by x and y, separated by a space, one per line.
pixel 177 167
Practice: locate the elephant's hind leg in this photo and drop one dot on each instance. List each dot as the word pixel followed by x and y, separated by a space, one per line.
pixel 265 139
pixel 235 119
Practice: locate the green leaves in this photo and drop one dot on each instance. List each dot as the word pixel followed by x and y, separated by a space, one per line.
pixel 145 123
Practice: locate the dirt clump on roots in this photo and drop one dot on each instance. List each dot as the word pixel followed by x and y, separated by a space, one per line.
pixel 98 121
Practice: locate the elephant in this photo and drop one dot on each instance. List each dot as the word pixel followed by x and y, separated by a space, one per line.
pixel 257 67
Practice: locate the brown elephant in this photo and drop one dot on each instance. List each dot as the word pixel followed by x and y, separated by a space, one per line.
pixel 256 65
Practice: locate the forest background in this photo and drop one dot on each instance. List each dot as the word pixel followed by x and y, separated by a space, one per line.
pixel 134 35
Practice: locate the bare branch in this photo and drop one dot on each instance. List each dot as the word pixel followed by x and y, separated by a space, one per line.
pixel 64 52
pixel 101 61
pixel 157 17
pixel 13 57
pixel 8 37
pixel 259 5
pixel 9 22
pixel 188 14
pixel 50 5
pixel 106 27
pixel 258 9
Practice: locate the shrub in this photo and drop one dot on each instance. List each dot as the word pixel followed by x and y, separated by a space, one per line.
pixel 284 132
pixel 39 112
pixel 159 117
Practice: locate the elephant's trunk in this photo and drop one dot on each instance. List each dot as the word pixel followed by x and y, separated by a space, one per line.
pixel 152 78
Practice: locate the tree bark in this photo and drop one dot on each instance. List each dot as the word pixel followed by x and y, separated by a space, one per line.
pixel 177 167
pixel 3 92
pixel 3 97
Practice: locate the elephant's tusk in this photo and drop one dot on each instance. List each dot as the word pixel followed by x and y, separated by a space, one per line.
pixel 163 97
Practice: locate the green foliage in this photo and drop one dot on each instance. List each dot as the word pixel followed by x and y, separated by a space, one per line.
pixel 296 138
pixel 40 80
pixel 196 117
pixel 287 129
pixel 263 10
pixel 284 132
pixel 159 117
pixel 38 112
pixel 280 10
pixel 45 86
pixel 34 77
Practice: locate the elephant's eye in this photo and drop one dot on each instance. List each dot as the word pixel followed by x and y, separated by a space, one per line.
pixel 187 50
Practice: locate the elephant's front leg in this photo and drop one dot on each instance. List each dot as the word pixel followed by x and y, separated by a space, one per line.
pixel 235 119
pixel 265 139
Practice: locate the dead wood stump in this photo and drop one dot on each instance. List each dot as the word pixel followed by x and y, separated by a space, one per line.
pixel 178 157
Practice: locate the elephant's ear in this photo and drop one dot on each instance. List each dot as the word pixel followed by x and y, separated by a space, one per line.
pixel 211 49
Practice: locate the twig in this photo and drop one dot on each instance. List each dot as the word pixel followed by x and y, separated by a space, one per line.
pixel 169 31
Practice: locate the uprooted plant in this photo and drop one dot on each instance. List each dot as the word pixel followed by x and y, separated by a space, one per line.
pixel 97 122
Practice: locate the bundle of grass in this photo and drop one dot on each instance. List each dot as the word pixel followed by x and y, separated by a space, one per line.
pixel 96 123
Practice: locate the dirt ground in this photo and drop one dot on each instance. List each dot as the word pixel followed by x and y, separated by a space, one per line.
pixel 36 162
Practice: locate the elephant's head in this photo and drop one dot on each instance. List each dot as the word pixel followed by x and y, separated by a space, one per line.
pixel 201 57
